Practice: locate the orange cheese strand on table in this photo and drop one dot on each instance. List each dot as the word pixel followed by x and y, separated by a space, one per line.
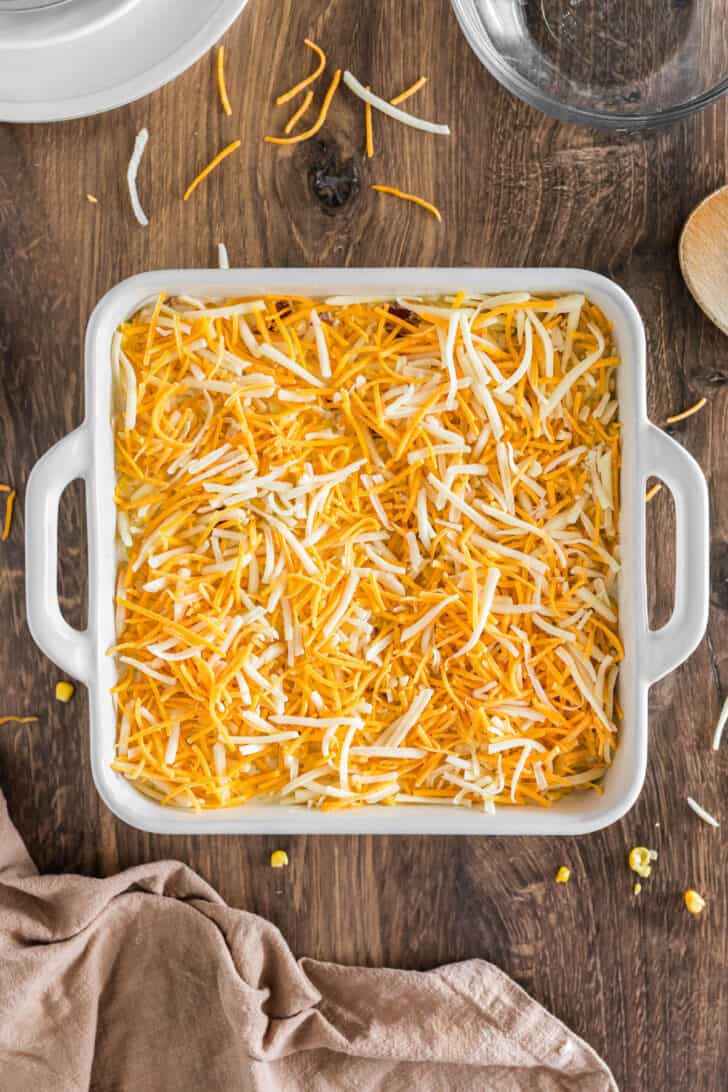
pixel 367 551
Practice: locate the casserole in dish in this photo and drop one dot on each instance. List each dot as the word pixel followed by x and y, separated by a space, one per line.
pixel 88 453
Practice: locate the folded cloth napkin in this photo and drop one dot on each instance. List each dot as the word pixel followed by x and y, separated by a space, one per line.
pixel 148 981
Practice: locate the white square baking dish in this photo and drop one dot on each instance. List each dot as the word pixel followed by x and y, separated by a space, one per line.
pixel 88 453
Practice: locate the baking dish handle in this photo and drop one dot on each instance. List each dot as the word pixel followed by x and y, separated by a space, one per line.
pixel 68 647
pixel 672 644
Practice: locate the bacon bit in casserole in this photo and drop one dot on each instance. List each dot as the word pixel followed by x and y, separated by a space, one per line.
pixel 410 197
pixel 686 413
pixel 232 147
pixel 221 85
pixel 319 120
pixel 352 558
pixel 303 84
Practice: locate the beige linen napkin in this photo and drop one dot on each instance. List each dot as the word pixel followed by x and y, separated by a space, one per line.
pixel 147 981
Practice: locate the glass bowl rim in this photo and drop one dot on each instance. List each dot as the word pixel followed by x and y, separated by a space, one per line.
pixel 481 44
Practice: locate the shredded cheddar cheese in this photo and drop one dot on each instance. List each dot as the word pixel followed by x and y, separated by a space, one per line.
pixel 652 492
pixel 9 508
pixel 410 197
pixel 299 113
pixel 278 858
pixel 369 129
pixel 307 133
pixel 92 199
pixel 408 92
pixel 17 720
pixel 368 550
pixel 228 150
pixel 303 84
pixel 221 85
pixel 695 408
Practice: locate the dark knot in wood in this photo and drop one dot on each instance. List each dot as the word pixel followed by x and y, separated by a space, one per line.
pixel 333 179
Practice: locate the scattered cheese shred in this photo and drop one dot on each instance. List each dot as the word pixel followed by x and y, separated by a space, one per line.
pixel 319 120
pixel 232 147
pixel 563 875
pixel 299 113
pixel 652 493
pixel 702 813
pixel 17 720
pixel 346 576
pixel 92 199
pixel 720 726
pixel 303 84
pixel 410 197
pixel 221 85
pixel 131 175
pixel 408 92
pixel 278 858
pixel 369 129
pixel 392 111
pixel 9 508
pixel 686 413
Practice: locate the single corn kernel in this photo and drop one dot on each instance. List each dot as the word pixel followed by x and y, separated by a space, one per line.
pixel 563 875
pixel 64 691
pixel 694 901
pixel 637 888
pixel 279 859
pixel 640 860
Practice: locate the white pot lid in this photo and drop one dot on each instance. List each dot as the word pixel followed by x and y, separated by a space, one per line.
pixel 73 58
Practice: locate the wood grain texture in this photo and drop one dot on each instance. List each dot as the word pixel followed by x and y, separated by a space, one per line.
pixel 639 978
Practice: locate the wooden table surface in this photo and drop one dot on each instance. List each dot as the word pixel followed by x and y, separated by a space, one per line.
pixel 640 979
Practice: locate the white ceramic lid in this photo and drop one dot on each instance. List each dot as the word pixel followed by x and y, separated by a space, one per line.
pixel 81 57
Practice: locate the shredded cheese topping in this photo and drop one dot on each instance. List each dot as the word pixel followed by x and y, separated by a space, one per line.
pixel 359 564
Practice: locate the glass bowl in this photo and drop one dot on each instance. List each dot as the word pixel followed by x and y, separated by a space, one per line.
pixel 616 64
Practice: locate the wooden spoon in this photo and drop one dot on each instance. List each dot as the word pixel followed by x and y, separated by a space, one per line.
pixel 703 252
